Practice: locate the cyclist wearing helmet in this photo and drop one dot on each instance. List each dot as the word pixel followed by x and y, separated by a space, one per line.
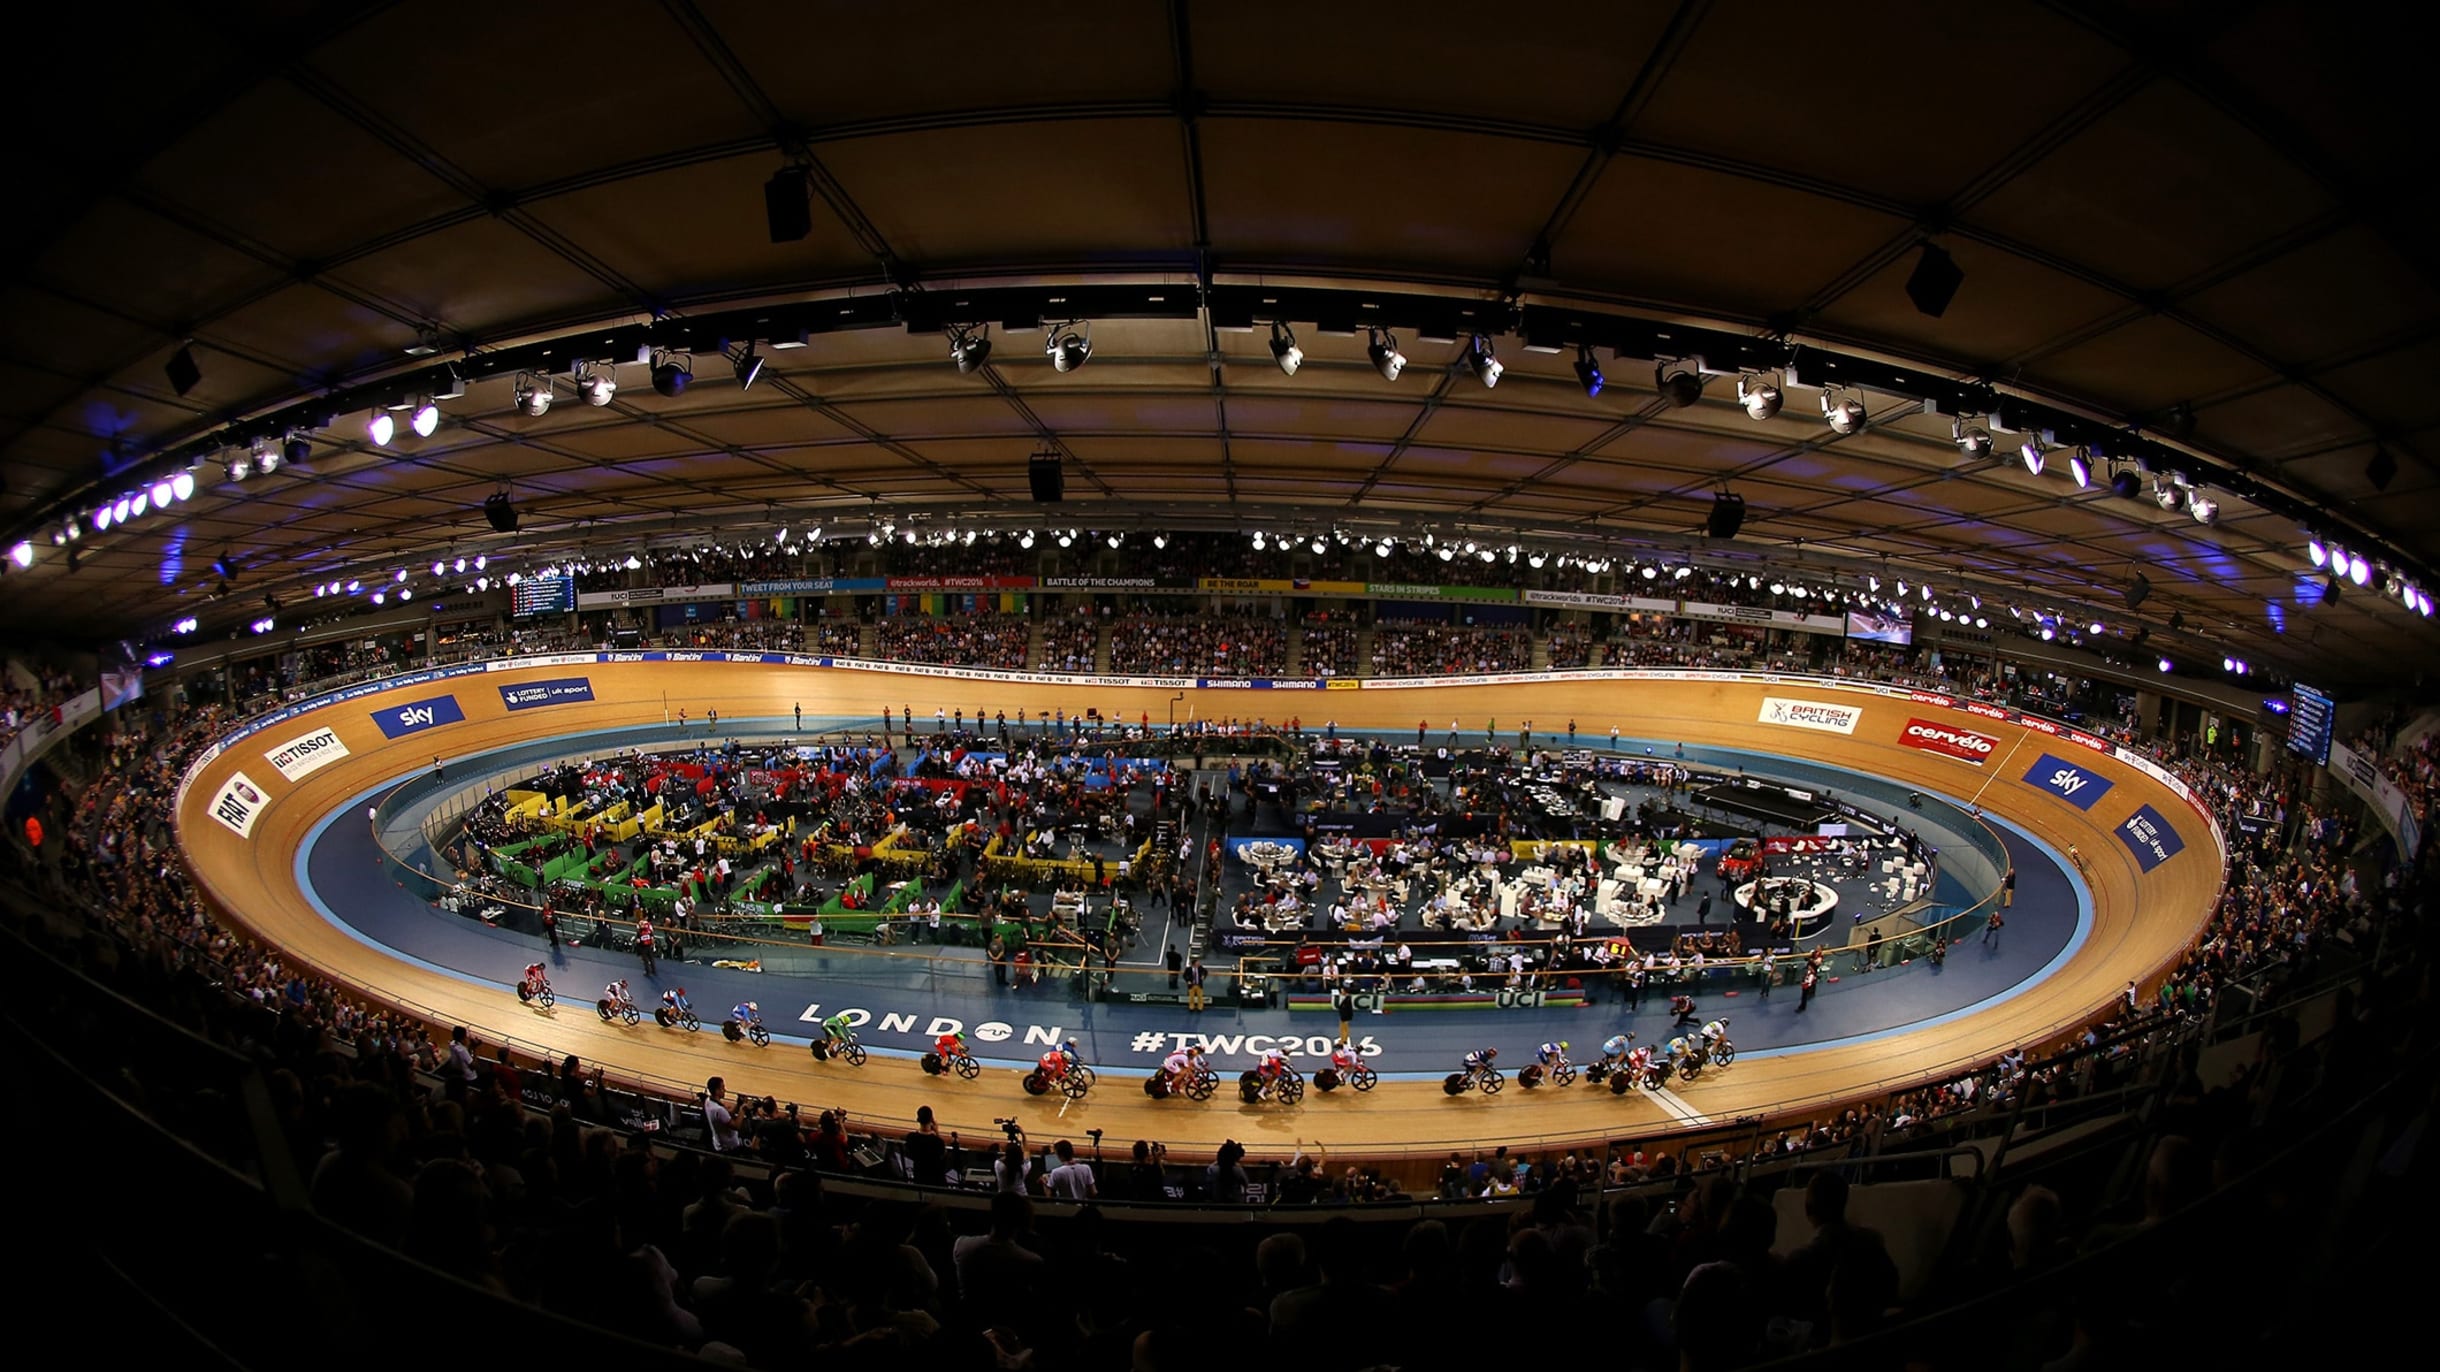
pixel 674 1000
pixel 1479 1061
pixel 950 1046
pixel 1614 1049
pixel 534 980
pixel 1551 1055
pixel 1181 1066
pixel 1344 1057
pixel 747 1012
pixel 836 1031
pixel 616 994
pixel 1272 1067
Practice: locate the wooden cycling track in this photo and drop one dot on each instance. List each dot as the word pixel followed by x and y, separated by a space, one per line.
pixel 2142 920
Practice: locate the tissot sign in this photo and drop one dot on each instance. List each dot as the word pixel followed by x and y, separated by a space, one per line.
pixel 1948 740
pixel 2077 785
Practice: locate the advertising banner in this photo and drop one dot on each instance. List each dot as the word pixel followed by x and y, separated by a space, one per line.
pixel 398 721
pixel 2068 781
pixel 563 691
pixel 655 595
pixel 1811 714
pixel 817 585
pixel 1947 740
pixel 238 805
pixel 300 758
pixel 2149 838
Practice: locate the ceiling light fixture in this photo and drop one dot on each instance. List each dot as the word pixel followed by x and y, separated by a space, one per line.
pixel 381 428
pixel 1482 363
pixel 1760 398
pixel 2314 549
pixel 1973 440
pixel 2205 509
pixel 969 347
pixel 596 382
pixel 427 418
pixel 1069 350
pixel 1588 371
pixel 2031 452
pixel 2080 466
pixel 1846 415
pixel 747 364
pixel 1681 387
pixel 1383 350
pixel 1284 350
pixel 533 394
pixel 670 375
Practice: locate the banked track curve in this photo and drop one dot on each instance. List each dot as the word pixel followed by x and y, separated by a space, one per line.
pixel 2142 919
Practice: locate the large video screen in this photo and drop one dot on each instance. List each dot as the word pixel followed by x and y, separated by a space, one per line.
pixel 544 595
pixel 1874 626
pixel 2309 721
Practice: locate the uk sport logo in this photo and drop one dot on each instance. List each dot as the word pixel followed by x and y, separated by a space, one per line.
pixel 2077 785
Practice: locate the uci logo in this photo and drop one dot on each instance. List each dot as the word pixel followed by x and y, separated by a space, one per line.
pixel 2067 781
pixel 415 715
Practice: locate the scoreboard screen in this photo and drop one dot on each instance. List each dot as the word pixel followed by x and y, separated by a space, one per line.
pixel 2309 721
pixel 543 595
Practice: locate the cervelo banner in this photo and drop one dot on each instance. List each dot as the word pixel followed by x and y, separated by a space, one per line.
pixel 2068 781
pixel 563 691
pixel 1947 740
pixel 398 721
pixel 2149 838
pixel 1811 714
pixel 657 595
pixel 301 757
pixel 238 805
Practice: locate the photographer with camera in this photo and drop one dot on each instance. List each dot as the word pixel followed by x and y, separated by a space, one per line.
pixel 1008 1166
pixel 1225 1181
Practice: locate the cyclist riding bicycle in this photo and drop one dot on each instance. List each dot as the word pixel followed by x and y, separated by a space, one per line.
pixel 1272 1067
pixel 950 1046
pixel 1055 1063
pixel 1614 1049
pixel 1344 1057
pixel 1552 1055
pixel 616 994
pixel 1639 1062
pixel 675 1001
pixel 534 979
pixel 836 1031
pixel 1679 1047
pixel 1713 1033
pixel 1479 1060
pixel 746 1012
pixel 1180 1067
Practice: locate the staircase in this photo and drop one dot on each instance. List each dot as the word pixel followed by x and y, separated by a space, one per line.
pixel 868 641
pixel 1537 652
pixel 1364 651
pixel 1033 647
pixel 1295 665
pixel 1101 650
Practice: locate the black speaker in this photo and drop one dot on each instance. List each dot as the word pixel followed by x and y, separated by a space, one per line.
pixel 2137 590
pixel 1934 282
pixel 185 374
pixel 2380 471
pixel 788 204
pixel 1727 515
pixel 503 515
pixel 1048 476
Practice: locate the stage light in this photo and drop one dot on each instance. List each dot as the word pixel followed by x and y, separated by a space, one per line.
pixel 479 561
pixel 1482 363
pixel 1588 371
pixel 2313 549
pixel 2098 629
pixel 1982 622
pixel 2126 485
pixel 76 531
pixel 2031 452
pixel 670 376
pixel 1114 538
pixel 427 418
pixel 2167 666
pixel 239 469
pixel 1320 544
pixel 461 564
pixel 401 575
pixel 2358 570
pixel 295 449
pixel 748 365
pixel 119 510
pixel 1760 398
pixel 141 503
pixel 534 395
pixel 1284 350
pixel 1383 549
pixel 969 348
pixel 1258 541
pixel 632 563
pixel 2080 467
pixel 1972 439
pixel 2423 604
pixel 406 593
pixel 2204 509
pixel 380 428
pixel 1068 350
pixel 381 597
pixel 1027 540
pixel 1158 540
pixel 22 554
pixel 1448 554
pixel 2228 664
pixel 1383 350
pixel 440 568
pixel 1845 416
pixel 354 586
pixel 1067 539
pixel 1535 560
pixel 2167 496
pixel 1681 388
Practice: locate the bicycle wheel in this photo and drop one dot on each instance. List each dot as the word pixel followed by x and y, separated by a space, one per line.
pixel 1492 1081
pixel 966 1067
pixel 1074 1085
pixel 1726 1054
pixel 1563 1074
pixel 1201 1086
pixel 602 1008
pixel 1291 1089
pixel 548 998
pixel 1621 1083
pixel 760 1035
pixel 1690 1069
pixel 1326 1080
pixel 1036 1083
pixel 854 1053
pixel 931 1064
pixel 1363 1078
pixel 692 1021
pixel 1453 1084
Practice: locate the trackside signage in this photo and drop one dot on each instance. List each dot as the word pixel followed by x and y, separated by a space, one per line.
pixel 2149 838
pixel 2077 785
pixel 398 721
pixel 1948 740
pixel 1811 714
pixel 300 758
pixel 238 805
pixel 563 691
